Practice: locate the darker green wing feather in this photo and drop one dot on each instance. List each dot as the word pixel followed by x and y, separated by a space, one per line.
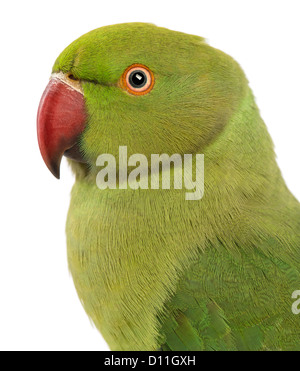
pixel 231 302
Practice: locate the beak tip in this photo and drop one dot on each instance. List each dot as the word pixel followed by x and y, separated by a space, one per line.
pixel 55 169
pixel 56 174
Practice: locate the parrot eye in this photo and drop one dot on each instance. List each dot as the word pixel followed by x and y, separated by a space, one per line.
pixel 137 79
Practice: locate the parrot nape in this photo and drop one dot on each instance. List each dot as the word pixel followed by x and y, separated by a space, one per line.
pixel 153 270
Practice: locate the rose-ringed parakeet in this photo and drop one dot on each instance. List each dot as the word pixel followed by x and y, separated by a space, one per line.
pixel 153 270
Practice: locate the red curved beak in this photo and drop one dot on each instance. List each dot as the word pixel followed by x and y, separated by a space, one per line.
pixel 61 119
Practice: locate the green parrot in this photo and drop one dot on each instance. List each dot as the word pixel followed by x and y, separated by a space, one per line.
pixel 153 270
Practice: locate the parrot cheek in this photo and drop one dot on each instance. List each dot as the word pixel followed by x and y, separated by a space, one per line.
pixel 61 119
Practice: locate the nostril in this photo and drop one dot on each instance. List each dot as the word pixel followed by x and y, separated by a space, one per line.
pixel 72 77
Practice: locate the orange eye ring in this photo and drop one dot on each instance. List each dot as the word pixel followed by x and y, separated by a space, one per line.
pixel 137 79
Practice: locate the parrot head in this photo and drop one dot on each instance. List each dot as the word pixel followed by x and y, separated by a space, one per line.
pixel 136 85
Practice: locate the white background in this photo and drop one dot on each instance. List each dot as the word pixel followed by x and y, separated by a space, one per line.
pixel 39 308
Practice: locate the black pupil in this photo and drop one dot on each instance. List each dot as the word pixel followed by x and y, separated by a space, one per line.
pixel 137 79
